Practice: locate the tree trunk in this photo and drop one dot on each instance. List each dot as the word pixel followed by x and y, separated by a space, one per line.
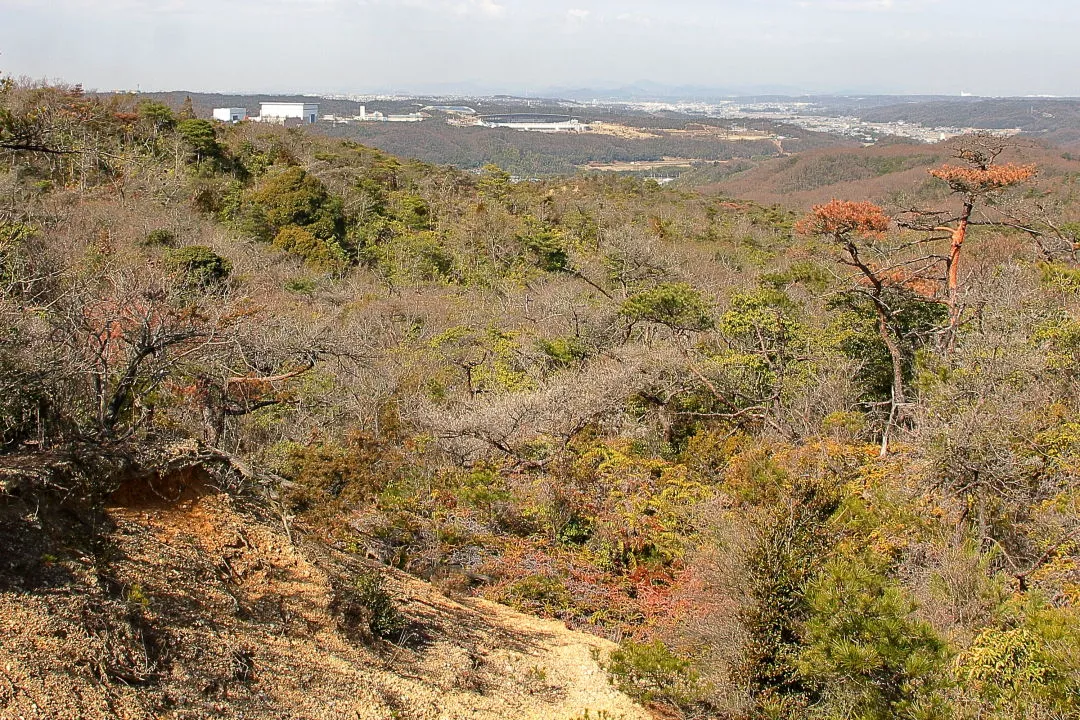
pixel 898 398
pixel 959 234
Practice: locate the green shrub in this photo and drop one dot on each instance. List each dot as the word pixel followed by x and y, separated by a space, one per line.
pixel 327 477
pixel 804 272
pixel 792 540
pixel 158 115
pixel 199 266
pixel 864 649
pixel 1027 665
pixel 160 238
pixel 564 352
pixel 316 252
pixel 547 245
pixel 365 608
pixel 541 594
pixel 301 286
pixel 676 305
pixel 200 137
pixel 1060 277
pixel 650 672
pixel 412 211
pixel 294 197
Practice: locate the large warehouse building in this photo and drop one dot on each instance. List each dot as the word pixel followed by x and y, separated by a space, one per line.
pixel 230 114
pixel 534 122
pixel 284 112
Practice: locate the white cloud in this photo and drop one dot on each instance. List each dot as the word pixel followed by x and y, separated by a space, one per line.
pixel 575 20
pixel 635 18
pixel 487 8
pixel 866 5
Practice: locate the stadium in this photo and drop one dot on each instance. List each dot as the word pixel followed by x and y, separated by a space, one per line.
pixel 534 122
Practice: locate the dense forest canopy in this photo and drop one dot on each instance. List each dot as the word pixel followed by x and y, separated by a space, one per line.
pixel 806 463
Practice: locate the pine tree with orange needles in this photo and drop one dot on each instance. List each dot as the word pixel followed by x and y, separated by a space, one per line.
pixel 851 226
pixel 973 183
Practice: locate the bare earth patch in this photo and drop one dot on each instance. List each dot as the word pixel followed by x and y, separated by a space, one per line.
pixel 191 606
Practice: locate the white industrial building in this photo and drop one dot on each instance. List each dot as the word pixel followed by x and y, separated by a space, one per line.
pixel 282 113
pixel 534 122
pixel 230 114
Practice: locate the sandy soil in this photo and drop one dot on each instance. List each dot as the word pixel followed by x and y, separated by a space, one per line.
pixel 190 603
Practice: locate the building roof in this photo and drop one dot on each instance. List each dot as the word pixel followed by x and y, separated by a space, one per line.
pixel 531 118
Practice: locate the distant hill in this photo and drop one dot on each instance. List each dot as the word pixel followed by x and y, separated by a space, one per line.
pixel 881 173
pixel 1028 114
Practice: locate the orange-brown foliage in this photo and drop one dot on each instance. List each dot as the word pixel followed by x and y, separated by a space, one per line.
pixel 978 180
pixel 844 218
pixel 901 277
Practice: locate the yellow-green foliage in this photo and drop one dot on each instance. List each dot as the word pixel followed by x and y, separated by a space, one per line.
pixel 490 358
pixel 1029 664
pixel 542 594
pixel 652 672
pixel 320 254
pixel 677 305
pixel 624 405
pixel 1060 277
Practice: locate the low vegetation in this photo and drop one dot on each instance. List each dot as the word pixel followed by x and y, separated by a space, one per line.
pixel 807 462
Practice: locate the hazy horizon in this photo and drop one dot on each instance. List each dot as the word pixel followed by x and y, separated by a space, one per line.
pixel 932 47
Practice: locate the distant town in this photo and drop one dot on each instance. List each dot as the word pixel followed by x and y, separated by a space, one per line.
pixel 805 115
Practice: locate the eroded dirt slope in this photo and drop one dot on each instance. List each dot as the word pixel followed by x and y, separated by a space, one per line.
pixel 184 602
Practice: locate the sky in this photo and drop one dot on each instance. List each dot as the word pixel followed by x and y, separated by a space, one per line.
pixel 983 47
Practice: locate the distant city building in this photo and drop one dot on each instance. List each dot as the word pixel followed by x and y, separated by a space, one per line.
pixel 286 113
pixel 534 122
pixel 230 114
pixel 376 116
pixel 411 117
pixel 451 109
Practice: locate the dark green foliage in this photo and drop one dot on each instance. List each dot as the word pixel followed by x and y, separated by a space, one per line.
pixel 915 324
pixel 201 139
pixel 576 531
pixel 495 182
pixel 295 197
pixel 412 211
pixel 200 267
pixel 864 650
pixel 317 252
pixel 482 489
pixel 547 245
pixel 807 273
pixel 792 542
pixel 564 352
pixel 765 318
pixel 329 476
pixel 159 115
pixel 433 260
pixel 650 672
pixel 301 286
pixel 160 238
pixel 774 217
pixel 676 305
pixel 365 606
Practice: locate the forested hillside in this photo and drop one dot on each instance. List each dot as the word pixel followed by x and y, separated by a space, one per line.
pixel 894 174
pixel 799 462
pixel 539 155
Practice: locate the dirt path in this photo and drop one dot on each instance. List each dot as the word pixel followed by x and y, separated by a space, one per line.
pixel 200 609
